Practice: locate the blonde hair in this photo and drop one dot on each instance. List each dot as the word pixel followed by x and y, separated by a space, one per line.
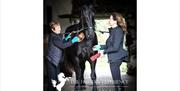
pixel 53 24
pixel 120 21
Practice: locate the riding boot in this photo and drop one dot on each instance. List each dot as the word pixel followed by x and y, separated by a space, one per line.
pixel 119 86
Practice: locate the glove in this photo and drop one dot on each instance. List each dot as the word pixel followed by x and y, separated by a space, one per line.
pixel 67 37
pixel 75 39
pixel 96 48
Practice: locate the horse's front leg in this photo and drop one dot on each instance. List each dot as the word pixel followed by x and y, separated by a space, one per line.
pixel 79 70
pixel 78 73
pixel 82 65
pixel 93 71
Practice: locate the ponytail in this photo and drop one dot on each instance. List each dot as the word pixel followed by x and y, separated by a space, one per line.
pixel 120 21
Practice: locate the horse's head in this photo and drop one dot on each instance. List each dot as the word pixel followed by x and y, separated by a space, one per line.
pixel 87 20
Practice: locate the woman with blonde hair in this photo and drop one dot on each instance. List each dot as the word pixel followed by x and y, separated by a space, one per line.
pixel 114 48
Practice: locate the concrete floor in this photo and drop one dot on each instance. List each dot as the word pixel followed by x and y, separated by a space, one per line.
pixel 104 81
pixel 103 84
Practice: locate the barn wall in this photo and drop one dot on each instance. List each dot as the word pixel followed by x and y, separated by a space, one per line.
pixel 58 7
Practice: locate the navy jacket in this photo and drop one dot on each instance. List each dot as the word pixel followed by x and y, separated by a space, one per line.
pixel 114 45
pixel 56 44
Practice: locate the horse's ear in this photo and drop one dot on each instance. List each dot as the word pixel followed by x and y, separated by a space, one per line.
pixel 91 6
pixel 92 9
pixel 84 7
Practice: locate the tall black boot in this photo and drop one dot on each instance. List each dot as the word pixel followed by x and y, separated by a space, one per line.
pixel 119 86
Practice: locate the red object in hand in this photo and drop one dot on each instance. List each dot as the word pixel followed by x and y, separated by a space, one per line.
pixel 94 57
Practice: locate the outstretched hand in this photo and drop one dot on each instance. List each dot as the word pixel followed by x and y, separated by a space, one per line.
pixel 69 36
pixel 96 48
pixel 78 38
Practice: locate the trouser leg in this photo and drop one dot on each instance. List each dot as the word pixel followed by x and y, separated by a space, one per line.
pixel 116 75
pixel 52 75
pixel 115 70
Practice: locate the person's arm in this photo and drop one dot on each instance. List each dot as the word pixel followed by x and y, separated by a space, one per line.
pixel 99 47
pixel 68 36
pixel 117 39
pixel 61 43
pixel 103 47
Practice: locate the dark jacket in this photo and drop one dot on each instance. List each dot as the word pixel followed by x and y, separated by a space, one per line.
pixel 56 44
pixel 114 45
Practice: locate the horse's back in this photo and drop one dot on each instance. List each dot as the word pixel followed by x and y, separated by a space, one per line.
pixel 72 28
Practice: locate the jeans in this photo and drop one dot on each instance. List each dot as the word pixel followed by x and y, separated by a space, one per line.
pixel 53 72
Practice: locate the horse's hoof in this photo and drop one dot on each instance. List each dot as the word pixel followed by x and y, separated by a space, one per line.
pixel 83 83
pixel 77 87
pixel 83 87
pixel 93 76
pixel 94 83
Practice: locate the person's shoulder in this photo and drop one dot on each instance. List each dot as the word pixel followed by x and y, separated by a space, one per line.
pixel 61 36
pixel 117 30
pixel 52 35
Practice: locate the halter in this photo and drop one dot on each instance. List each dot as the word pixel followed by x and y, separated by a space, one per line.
pixel 82 22
pixel 82 29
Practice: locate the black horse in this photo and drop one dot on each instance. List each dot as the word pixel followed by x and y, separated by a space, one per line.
pixel 81 52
